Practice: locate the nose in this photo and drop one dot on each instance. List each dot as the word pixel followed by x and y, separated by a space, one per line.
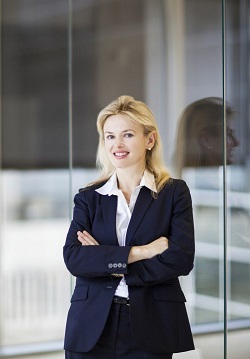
pixel 234 141
pixel 119 143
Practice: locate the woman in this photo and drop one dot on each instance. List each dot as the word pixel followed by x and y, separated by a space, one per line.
pixel 130 239
pixel 199 141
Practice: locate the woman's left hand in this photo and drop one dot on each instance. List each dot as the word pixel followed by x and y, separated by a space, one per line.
pixel 86 239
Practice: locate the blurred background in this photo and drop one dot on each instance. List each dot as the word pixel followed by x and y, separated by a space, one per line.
pixel 61 62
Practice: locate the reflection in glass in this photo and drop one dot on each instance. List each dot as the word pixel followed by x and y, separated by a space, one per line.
pixel 199 140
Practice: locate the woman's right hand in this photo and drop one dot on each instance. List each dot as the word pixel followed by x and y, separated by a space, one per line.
pixel 156 247
pixel 147 251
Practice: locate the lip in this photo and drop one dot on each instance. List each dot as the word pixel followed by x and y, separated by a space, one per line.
pixel 230 154
pixel 120 154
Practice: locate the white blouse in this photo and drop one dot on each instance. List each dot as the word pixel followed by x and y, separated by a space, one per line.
pixel 124 212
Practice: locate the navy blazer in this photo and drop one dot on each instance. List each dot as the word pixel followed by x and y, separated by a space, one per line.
pixel 158 317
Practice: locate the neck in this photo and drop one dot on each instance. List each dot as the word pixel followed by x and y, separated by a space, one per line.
pixel 128 180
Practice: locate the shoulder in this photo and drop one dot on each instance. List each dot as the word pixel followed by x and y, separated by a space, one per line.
pixel 173 184
pixel 92 187
pixel 89 192
pixel 175 188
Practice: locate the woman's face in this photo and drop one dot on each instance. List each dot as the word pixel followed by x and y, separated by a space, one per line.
pixel 232 142
pixel 214 144
pixel 125 142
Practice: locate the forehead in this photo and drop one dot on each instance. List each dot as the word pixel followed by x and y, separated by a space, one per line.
pixel 120 122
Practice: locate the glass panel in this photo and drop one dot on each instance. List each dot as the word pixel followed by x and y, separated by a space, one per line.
pixel 34 176
pixel 198 155
pixel 168 54
pixel 238 136
pixel 108 50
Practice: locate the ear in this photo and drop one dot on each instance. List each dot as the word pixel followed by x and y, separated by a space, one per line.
pixel 151 140
pixel 205 139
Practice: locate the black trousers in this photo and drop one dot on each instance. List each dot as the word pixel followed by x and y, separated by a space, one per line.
pixel 116 341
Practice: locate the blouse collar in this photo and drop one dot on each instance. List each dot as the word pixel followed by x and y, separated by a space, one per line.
pixel 111 188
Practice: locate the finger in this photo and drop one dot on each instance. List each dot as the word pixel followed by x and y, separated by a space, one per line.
pixel 80 237
pixel 85 242
pixel 89 238
pixel 80 234
pixel 89 242
pixel 86 239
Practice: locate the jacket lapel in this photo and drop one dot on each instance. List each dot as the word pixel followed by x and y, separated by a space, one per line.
pixel 109 207
pixel 142 204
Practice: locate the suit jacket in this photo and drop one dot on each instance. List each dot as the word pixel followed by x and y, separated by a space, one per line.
pixel 158 317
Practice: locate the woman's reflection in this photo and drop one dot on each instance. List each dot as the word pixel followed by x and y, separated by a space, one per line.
pixel 199 141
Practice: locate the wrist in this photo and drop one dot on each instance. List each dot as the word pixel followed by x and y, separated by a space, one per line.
pixel 144 252
pixel 138 253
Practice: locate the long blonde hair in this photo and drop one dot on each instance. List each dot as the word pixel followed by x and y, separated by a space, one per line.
pixel 139 113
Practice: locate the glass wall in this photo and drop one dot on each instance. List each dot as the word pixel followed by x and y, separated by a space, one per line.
pixel 35 287
pixel 61 62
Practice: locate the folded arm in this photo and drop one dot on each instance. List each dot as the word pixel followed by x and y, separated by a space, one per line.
pixel 149 264
pixel 91 260
pixel 178 259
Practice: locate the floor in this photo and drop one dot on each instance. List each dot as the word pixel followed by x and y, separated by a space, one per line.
pixel 208 346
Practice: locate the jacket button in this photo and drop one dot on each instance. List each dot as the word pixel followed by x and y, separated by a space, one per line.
pixel 110 265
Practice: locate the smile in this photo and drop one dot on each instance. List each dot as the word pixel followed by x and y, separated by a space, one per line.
pixel 121 154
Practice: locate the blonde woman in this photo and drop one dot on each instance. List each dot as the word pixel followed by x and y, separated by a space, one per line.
pixel 130 239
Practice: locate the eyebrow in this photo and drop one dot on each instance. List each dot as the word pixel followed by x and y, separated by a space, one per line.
pixel 129 129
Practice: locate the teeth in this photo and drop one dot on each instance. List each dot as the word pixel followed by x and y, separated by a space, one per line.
pixel 120 154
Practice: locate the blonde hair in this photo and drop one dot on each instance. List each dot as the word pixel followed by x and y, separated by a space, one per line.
pixel 140 113
pixel 202 114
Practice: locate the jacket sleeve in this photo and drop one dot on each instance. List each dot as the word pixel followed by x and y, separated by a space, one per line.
pixel 178 259
pixel 91 260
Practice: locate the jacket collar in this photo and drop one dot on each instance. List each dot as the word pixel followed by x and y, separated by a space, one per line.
pixel 142 204
pixel 110 187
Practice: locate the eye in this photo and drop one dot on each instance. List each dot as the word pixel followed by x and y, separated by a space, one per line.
pixel 110 137
pixel 128 135
pixel 230 133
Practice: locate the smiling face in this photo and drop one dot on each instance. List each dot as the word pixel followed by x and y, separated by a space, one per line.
pixel 126 143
